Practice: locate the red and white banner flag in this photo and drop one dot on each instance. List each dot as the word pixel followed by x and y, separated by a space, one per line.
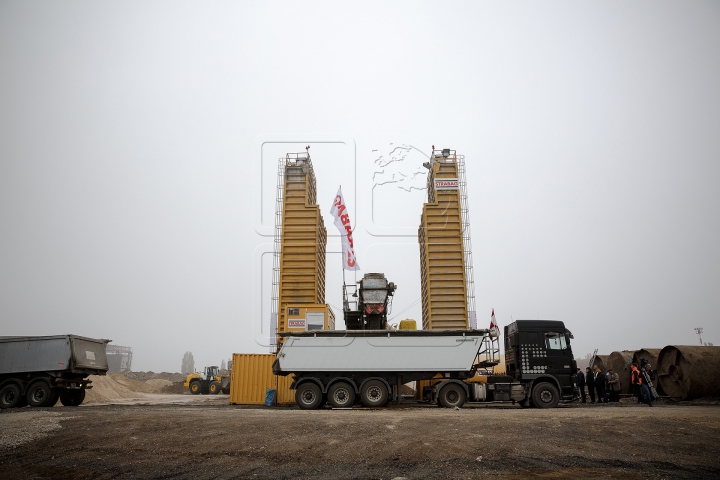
pixel 494 330
pixel 342 222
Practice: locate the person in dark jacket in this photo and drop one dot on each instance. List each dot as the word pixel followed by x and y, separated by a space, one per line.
pixel 590 384
pixel 599 381
pixel 613 384
pixel 580 382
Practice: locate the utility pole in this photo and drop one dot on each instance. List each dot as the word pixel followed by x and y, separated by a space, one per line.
pixel 699 331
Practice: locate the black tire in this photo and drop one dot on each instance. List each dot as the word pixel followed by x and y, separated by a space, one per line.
pixel 214 388
pixel 10 396
pixel 374 394
pixel 452 395
pixel 308 396
pixel 53 399
pixel 341 395
pixel 545 395
pixel 39 394
pixel 72 398
pixel 195 388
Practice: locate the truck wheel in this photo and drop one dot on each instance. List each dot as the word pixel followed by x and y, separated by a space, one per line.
pixel 452 395
pixel 308 396
pixel 72 398
pixel 52 399
pixel 341 395
pixel 10 396
pixel 214 388
pixel 545 395
pixel 374 394
pixel 195 388
pixel 40 394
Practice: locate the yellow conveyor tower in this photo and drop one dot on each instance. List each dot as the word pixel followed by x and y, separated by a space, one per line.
pixel 447 285
pixel 300 243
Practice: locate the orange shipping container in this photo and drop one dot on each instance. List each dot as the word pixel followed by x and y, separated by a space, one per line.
pixel 251 377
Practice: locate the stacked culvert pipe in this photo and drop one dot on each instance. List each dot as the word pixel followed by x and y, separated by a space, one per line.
pixel 651 355
pixel 687 372
pixel 621 362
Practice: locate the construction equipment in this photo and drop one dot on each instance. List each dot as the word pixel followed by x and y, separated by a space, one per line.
pixel 446 270
pixel 367 304
pixel 298 289
pixel 208 382
pixel 36 371
pixel 369 360
pixel 371 365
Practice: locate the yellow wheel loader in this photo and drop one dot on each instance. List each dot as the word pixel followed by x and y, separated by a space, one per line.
pixel 208 382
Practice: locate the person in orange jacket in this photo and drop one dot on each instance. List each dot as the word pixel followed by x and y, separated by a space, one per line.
pixel 639 387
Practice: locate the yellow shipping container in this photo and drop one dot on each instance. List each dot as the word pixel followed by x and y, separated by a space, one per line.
pixel 251 377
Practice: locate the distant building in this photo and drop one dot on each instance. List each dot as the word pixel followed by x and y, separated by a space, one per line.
pixel 119 358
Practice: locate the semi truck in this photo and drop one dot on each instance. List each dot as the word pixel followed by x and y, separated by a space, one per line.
pixel 343 367
pixel 36 371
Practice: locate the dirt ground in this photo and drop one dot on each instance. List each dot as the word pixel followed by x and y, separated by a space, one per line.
pixel 204 437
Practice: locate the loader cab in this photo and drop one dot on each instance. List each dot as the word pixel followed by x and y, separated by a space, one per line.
pixel 210 373
pixel 540 348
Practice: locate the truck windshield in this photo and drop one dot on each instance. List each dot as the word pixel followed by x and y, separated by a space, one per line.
pixel 555 341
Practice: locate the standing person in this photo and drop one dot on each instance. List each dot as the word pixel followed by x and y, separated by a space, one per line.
pixel 649 378
pixel 613 381
pixel 599 381
pixel 590 382
pixel 580 382
pixel 635 380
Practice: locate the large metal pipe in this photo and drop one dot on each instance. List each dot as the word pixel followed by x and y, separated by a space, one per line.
pixel 600 361
pixel 651 355
pixel 621 362
pixel 687 372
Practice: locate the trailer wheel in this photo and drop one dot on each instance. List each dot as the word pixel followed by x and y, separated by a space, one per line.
pixel 308 396
pixel 374 394
pixel 52 399
pixel 40 395
pixel 72 398
pixel 452 395
pixel 195 388
pixel 545 395
pixel 10 396
pixel 214 388
pixel 341 395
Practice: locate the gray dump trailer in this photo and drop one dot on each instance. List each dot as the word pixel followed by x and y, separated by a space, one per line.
pixel 36 371
pixel 337 367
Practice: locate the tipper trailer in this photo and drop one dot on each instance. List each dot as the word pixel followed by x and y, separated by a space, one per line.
pixel 341 366
pixel 36 371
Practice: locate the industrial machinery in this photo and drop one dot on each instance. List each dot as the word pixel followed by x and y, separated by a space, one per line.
pixel 370 362
pixel 36 371
pixel 446 269
pixel 342 366
pixel 367 304
pixel 209 381
pixel 298 288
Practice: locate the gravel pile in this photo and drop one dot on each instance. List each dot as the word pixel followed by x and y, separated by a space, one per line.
pixel 25 425
pixel 176 387
pixel 145 376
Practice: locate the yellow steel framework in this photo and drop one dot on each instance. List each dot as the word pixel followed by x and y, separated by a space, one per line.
pixel 447 286
pixel 300 240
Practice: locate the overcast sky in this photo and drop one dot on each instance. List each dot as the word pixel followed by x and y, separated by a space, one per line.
pixel 139 145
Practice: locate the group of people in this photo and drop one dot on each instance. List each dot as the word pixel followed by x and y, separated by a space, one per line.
pixel 604 387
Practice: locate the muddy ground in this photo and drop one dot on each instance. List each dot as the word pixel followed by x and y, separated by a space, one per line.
pixel 207 438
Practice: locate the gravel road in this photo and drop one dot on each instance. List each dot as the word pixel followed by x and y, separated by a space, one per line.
pixel 211 439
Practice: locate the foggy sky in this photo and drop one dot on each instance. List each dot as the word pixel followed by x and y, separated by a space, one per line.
pixel 139 145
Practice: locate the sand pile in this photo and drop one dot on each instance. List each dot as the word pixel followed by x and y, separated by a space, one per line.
pixel 107 389
pixel 145 376
pixel 115 387
pixel 176 388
